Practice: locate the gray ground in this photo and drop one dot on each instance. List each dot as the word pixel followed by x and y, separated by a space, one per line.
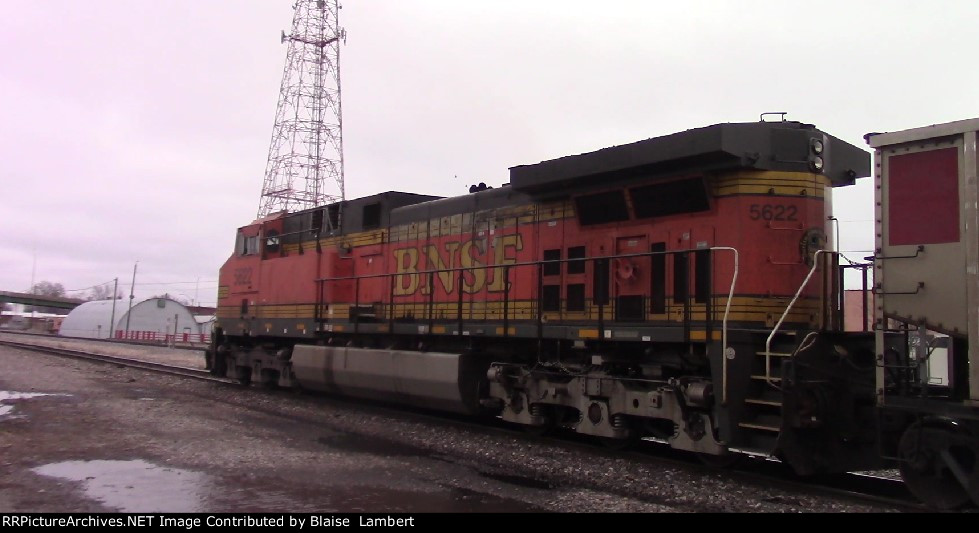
pixel 115 439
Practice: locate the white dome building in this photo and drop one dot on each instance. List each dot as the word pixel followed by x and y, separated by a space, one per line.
pixel 92 320
pixel 161 316
pixel 151 319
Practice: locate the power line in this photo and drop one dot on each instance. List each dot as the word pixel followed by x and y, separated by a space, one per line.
pixel 92 287
pixel 202 282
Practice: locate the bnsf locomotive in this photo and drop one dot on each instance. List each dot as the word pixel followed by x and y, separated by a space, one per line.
pixel 681 287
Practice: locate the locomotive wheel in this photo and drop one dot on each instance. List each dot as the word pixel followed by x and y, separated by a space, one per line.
pixel 268 379
pixel 545 414
pixel 243 375
pixel 925 451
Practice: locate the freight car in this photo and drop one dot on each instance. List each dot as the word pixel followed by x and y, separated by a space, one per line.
pixel 926 284
pixel 681 287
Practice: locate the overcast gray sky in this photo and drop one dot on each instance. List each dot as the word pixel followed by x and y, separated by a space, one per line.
pixel 139 130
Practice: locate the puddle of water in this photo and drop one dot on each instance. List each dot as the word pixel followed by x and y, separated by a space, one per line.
pixel 10 395
pixel 6 395
pixel 134 486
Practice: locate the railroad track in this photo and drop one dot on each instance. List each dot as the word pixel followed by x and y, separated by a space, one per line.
pixel 158 344
pixel 858 487
pixel 865 487
pixel 117 360
pixel 763 472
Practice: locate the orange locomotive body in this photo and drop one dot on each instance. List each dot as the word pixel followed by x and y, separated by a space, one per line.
pixel 680 287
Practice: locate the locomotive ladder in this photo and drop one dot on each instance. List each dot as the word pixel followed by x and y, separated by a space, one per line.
pixel 764 408
pixel 763 404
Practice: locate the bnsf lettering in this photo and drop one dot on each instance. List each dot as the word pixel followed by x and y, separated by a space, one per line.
pixel 436 263
pixel 474 280
pixel 467 254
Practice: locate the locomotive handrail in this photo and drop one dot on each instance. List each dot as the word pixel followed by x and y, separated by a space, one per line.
pixel 768 342
pixel 508 266
pixel 523 263
pixel 430 274
pixel 727 311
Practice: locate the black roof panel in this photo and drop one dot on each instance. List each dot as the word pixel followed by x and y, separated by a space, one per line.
pixel 755 145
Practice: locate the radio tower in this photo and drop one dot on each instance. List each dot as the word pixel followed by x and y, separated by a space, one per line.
pixel 305 166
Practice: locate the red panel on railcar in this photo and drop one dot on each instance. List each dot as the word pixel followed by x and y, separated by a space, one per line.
pixel 923 196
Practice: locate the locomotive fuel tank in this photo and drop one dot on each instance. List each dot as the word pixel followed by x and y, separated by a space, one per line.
pixel 451 382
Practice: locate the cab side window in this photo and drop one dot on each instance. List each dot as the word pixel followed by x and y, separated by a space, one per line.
pixel 246 245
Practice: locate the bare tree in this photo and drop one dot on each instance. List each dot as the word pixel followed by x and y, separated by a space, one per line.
pixel 46 288
pixel 102 292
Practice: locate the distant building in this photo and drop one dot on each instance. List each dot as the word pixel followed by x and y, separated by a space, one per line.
pixel 205 322
pixel 160 315
pixel 26 321
pixel 853 314
pixel 92 320
pixel 200 310
pixel 151 319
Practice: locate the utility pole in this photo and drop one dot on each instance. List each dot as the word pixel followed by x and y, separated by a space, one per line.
pixel 173 339
pixel 131 296
pixel 112 320
pixel 305 164
pixel 33 287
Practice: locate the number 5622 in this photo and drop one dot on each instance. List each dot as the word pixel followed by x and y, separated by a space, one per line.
pixel 772 212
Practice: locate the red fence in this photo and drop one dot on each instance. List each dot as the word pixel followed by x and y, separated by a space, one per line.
pixel 153 336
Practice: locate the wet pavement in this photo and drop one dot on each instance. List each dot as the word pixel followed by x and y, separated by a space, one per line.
pixel 9 398
pixel 133 486
pixel 83 437
pixel 80 436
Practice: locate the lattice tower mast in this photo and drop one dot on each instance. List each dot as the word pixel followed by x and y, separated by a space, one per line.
pixel 305 165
